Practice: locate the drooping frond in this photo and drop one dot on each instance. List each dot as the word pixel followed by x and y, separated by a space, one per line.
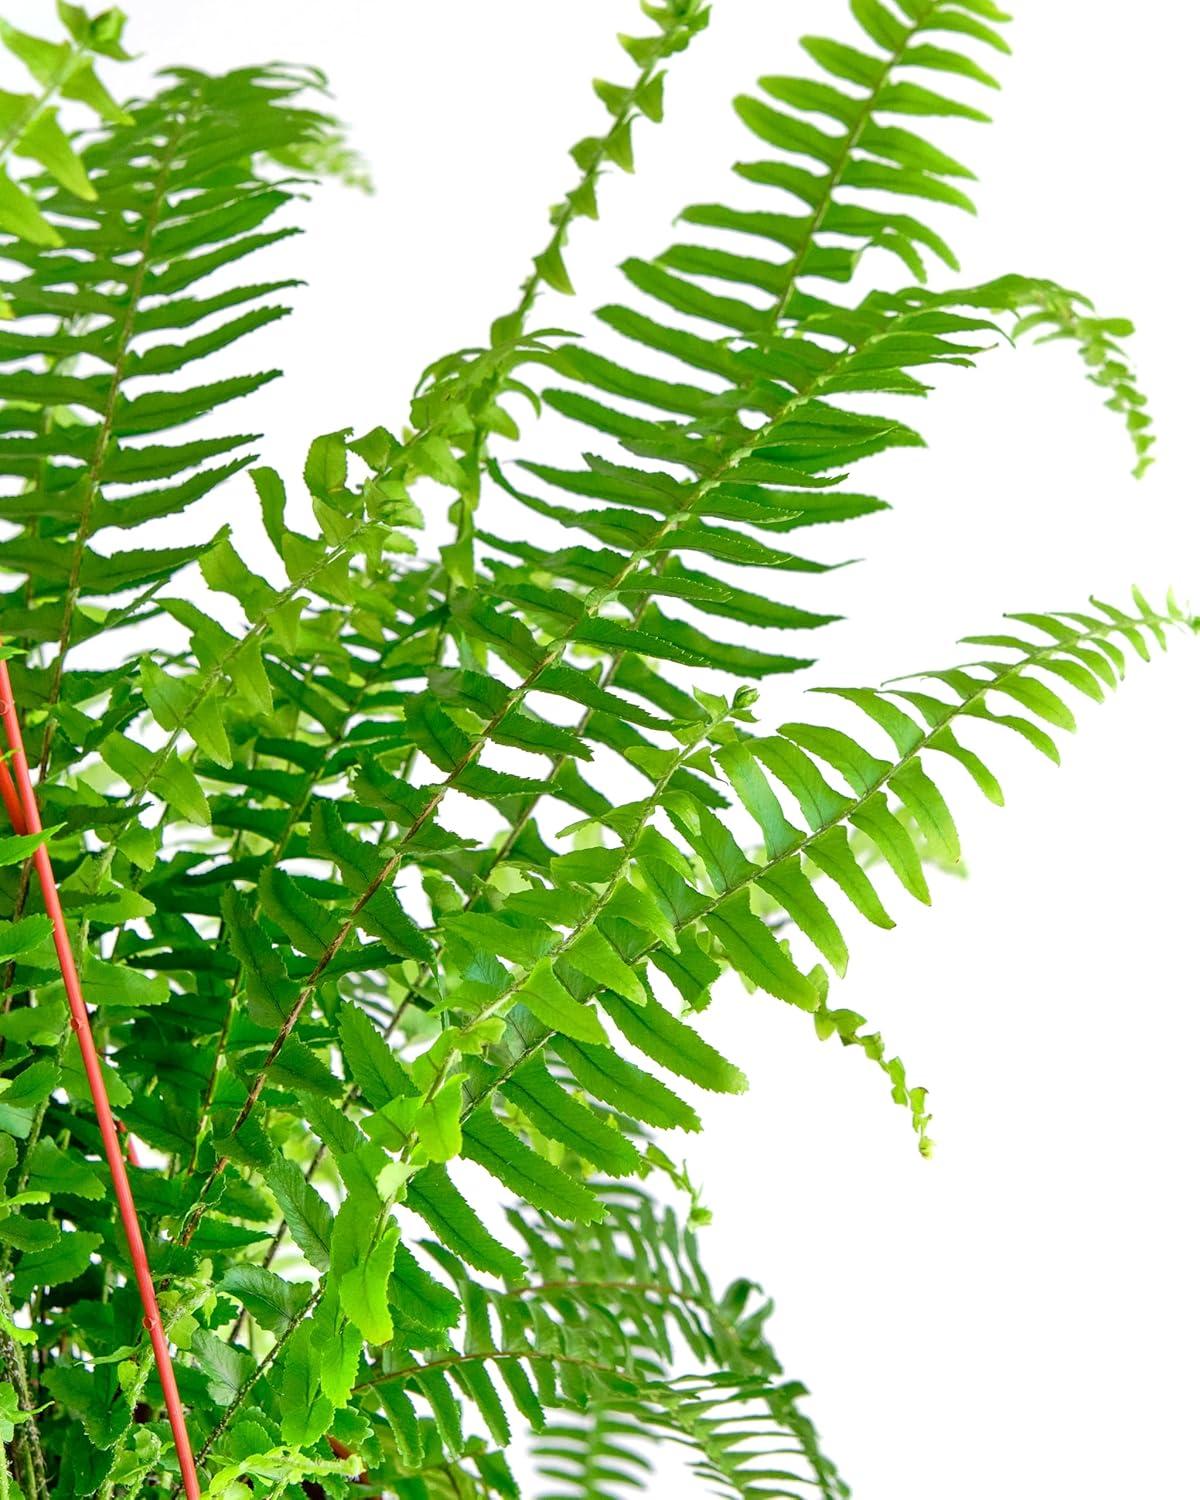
pixel 670 893
pixel 668 885
pixel 671 887
pixel 742 1426
pixel 593 1323
pixel 1055 315
pixel 744 1439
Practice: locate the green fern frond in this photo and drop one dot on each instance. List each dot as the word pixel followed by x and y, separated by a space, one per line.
pixel 459 403
pixel 639 1271
pixel 589 1326
pixel 1056 315
pixel 597 1455
pixel 90 414
pixel 769 478
pixel 758 428
pixel 677 23
pixel 180 198
pixel 707 888
pixel 676 893
pixel 744 1438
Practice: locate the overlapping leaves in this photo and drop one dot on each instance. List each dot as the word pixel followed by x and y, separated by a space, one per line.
pixel 181 191
pixel 421 873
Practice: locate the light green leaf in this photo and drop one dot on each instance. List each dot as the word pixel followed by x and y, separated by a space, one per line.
pixel 306 1213
pixel 307 1411
pixel 555 1007
pixel 437 1122
pixel 270 1300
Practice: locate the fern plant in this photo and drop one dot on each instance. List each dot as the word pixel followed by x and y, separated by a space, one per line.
pixel 399 880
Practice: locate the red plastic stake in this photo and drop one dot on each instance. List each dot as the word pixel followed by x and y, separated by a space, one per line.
pixel 21 800
pixel 16 816
pixel 12 802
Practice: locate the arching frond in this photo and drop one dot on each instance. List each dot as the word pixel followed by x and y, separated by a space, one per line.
pixel 590 1329
pixel 711 893
pixel 723 424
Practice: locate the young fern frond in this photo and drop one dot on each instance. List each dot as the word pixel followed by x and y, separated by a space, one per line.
pixel 1057 315
pixel 677 23
pixel 458 405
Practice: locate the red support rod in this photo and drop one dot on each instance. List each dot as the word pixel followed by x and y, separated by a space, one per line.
pixel 12 803
pixel 16 791
pixel 16 816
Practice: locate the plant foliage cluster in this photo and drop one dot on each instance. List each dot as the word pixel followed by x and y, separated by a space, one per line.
pixel 401 894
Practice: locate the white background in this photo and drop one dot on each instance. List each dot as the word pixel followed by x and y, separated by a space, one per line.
pixel 1018 1316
